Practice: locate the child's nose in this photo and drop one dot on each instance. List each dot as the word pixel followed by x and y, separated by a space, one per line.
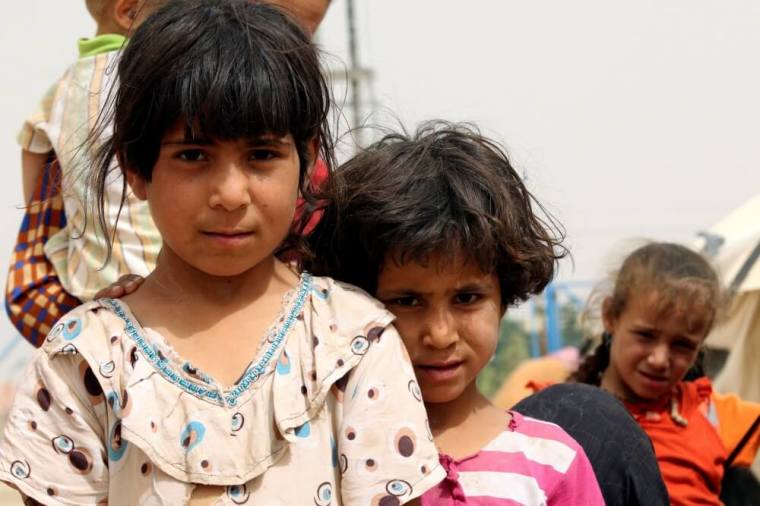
pixel 659 357
pixel 440 330
pixel 231 188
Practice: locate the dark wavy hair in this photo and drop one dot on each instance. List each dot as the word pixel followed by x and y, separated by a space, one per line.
pixel 230 69
pixel 682 278
pixel 444 190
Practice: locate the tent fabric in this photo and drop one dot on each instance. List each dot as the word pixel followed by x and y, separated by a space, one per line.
pixel 741 373
pixel 736 239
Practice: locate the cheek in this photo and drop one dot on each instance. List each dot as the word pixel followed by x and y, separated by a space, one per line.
pixel 277 195
pixel 482 334
pixel 681 365
pixel 407 328
pixel 625 353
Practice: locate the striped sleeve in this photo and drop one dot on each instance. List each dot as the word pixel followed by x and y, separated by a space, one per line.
pixel 547 462
pixel 535 462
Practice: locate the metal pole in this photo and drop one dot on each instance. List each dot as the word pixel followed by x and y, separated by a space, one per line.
pixel 353 62
pixel 553 331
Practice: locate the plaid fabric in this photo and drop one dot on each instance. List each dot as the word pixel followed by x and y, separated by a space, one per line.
pixel 34 297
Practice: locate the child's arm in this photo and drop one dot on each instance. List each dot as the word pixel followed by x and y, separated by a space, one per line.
pixel 32 168
pixel 53 443
pixel 34 296
pixel 36 147
pixel 578 486
pixel 735 419
pixel 384 443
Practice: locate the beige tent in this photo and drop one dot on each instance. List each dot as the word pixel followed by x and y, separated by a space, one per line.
pixel 734 245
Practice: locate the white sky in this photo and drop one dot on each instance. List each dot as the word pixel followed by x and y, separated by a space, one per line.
pixel 629 119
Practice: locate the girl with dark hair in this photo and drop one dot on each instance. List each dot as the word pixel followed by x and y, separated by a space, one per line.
pixel 440 228
pixel 665 299
pixel 227 377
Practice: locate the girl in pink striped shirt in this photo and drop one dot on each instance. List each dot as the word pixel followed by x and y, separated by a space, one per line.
pixel 440 227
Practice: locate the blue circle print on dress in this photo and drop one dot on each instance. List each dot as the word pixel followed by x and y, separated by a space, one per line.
pixel 359 345
pixel 324 494
pixel 283 363
pixel 63 444
pixel 20 469
pixel 72 328
pixel 238 420
pixel 304 430
pixel 322 293
pixel 398 488
pixel 113 400
pixel 238 494
pixel 56 331
pixel 116 445
pixel 192 435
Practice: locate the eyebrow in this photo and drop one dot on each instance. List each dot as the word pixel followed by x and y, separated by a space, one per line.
pixel 467 287
pixel 263 140
pixel 475 287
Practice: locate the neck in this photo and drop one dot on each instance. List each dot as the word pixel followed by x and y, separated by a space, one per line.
pixel 457 412
pixel 614 385
pixel 175 280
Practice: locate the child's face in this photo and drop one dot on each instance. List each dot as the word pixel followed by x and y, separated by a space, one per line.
pixel 651 349
pixel 448 315
pixel 221 206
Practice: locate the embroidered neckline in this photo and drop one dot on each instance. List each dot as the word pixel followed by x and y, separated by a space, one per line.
pixel 275 337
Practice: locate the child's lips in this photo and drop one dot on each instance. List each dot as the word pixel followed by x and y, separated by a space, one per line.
pixel 439 372
pixel 229 238
pixel 653 379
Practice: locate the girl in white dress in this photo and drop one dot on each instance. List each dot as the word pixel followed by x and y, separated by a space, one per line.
pixel 227 377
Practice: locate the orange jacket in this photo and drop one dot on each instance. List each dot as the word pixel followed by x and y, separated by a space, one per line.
pixel 691 456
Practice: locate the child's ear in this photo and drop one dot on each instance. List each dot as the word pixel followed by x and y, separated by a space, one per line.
pixel 313 149
pixel 138 184
pixel 608 319
pixel 125 12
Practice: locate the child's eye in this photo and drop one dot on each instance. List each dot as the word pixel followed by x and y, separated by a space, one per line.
pixel 685 345
pixel 645 334
pixel 262 154
pixel 192 155
pixel 467 298
pixel 408 301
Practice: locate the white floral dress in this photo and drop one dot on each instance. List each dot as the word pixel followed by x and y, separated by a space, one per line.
pixel 328 413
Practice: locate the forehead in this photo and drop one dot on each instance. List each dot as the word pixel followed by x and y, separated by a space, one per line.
pixel 180 130
pixel 436 272
pixel 673 315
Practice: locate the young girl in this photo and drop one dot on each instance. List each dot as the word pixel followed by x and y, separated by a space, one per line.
pixel 442 230
pixel 226 378
pixel 663 304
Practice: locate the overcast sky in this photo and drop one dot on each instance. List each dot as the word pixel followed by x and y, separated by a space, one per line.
pixel 629 119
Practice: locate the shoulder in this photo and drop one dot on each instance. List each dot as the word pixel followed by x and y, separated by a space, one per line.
pixel 349 308
pixel 546 432
pixel 700 388
pixel 694 396
pixel 536 442
pixel 86 327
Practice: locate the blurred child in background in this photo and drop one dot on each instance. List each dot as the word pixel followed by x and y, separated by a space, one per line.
pixel 56 260
pixel 664 301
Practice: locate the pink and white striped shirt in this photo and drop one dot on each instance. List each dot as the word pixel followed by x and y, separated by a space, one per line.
pixel 531 463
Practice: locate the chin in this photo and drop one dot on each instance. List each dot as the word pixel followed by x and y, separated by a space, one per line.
pixel 440 395
pixel 220 270
pixel 649 394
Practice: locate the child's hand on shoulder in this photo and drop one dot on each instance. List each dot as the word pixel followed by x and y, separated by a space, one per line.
pixel 125 285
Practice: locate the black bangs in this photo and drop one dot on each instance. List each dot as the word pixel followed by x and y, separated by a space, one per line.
pixel 449 223
pixel 229 69
pixel 445 194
